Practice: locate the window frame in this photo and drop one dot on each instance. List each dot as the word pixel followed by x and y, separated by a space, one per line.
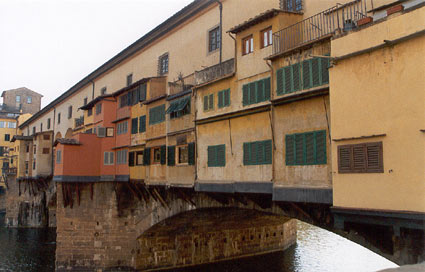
pixel 129 79
pixel 122 157
pixel 154 111
pixel 214 149
pixel 163 64
pixel 29 99
pixel 98 109
pixel 153 149
pixel 315 153
pixel 136 160
pixel 214 34
pixel 69 112
pixel 103 91
pixel 366 169
pixel 269 32
pixel 58 156
pixel 177 154
pixel 107 158
pixel 248 48
pixel 18 99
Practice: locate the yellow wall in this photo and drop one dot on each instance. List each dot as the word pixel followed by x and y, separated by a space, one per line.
pixel 382 92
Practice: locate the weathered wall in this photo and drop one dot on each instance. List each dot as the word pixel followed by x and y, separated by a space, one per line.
pixel 9 99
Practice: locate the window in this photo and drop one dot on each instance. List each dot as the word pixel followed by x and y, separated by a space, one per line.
pixel 257 153
pixel 217 156
pixel 131 159
pixel 307 148
pixel 163 64
pixel 59 118
pixel 58 156
pixel 256 92
pixel 179 108
pixel 46 137
pixel 361 158
pixel 26 167
pixel 247 45
pixel 27 148
pixel 208 102
pixel 85 101
pixel 122 156
pixel 29 99
pixel 90 112
pixel 142 124
pixel 2 124
pixel 122 128
pixel 7 137
pixel 33 130
pixel 157 115
pixel 156 159
pixel 103 91
pixel 300 76
pixel 214 39
pixel 182 154
pixel 33 165
pixel 143 89
pixel 266 37
pixel 35 149
pixel 129 79
pixel 98 108
pixel 69 112
pixel 292 5
pixel 224 98
pixel 108 158
pixel 123 101
pixel 41 127
pixel 11 124
pixel 18 99
pixel 46 150
pixel 134 125
pixel 109 132
pixel 48 123
pixel 139 158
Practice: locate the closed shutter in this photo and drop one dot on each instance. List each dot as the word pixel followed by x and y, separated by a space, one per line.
pixel 306 67
pixel 131 158
pixel 147 156
pixel 142 123
pixel 290 149
pixel 220 99
pixel 221 155
pixel 287 79
pixel 260 153
pixel 211 156
pixel 296 77
pixel 206 103
pixel 252 93
pixel 260 91
pixel 143 93
pixel 374 157
pixel 211 101
pixel 324 66
pixel 315 72
pixel 279 82
pixel 320 138
pixel 344 159
pixel 359 158
pixel 171 156
pixel 310 148
pixel 246 155
pixel 245 98
pixel 134 125
pixel 227 97
pixel 268 152
pixel 267 88
pixel 163 154
pixel 253 153
pixel 105 158
pixel 191 153
pixel 111 157
pixel 299 149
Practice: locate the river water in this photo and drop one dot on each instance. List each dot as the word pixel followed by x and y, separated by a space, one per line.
pixel 316 250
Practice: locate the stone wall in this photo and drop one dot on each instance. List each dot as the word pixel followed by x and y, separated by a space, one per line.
pixel 30 204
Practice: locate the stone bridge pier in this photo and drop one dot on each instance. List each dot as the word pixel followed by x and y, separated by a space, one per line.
pixel 110 226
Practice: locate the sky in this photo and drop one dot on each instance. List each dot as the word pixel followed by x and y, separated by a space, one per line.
pixel 50 45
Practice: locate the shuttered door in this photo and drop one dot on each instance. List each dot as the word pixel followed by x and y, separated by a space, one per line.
pixel 306 68
pixel 296 77
pixel 191 153
pixel 267 88
pixel 279 81
pixel 245 90
pixel 290 149
pixel 171 158
pixel 163 154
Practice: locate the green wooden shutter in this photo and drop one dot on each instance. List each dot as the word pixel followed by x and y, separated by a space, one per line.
pixel 252 93
pixel 142 123
pixel 260 153
pixel 131 158
pixel 260 91
pixel 320 137
pixel 147 156
pixel 267 88
pixel 206 103
pixel 324 66
pixel 245 94
pixel 211 102
pixel 253 153
pixel 171 158
pixel 287 79
pixel 299 149
pixel 220 99
pixel 306 68
pixel 246 155
pixel 268 151
pixel 211 156
pixel 279 82
pixel 290 149
pixel 163 154
pixel 296 76
pixel 161 110
pixel 310 148
pixel 191 153
pixel 143 93
pixel 227 97
pixel 221 155
pixel 134 125
pixel 315 70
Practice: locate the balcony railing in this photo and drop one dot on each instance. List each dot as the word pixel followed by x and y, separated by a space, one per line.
pixel 79 122
pixel 337 19
pixel 215 72
pixel 9 171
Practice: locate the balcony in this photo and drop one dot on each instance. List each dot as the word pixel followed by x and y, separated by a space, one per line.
pixel 215 72
pixel 335 20
pixel 10 171
pixel 79 122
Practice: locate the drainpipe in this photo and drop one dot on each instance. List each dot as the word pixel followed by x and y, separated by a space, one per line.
pixel 221 28
pixel 92 92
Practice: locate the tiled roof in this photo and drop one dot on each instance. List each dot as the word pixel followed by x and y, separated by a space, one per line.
pixel 257 19
pixel 21 138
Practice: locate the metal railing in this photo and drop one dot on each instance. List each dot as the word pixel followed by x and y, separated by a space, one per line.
pixel 79 121
pixel 326 23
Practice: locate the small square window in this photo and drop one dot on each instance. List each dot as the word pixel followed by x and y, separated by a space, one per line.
pixel 247 45
pixel 29 99
pixel 266 37
pixel 214 39
pixel 163 64
pixel 129 79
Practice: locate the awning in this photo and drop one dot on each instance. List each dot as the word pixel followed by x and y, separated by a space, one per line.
pixel 182 104
pixel 172 107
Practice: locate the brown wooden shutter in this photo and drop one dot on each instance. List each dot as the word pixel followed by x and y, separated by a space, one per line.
pixel 344 159
pixel 359 158
pixel 374 157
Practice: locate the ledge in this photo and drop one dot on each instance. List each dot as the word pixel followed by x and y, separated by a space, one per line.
pixel 360 137
pixel 234 114
pixel 303 194
pixel 301 95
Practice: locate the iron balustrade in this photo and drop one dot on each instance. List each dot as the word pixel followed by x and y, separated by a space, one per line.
pixel 79 121
pixel 334 20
